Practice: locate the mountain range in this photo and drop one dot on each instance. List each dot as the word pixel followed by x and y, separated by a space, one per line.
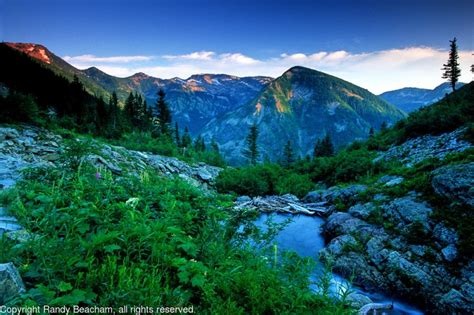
pixel 410 99
pixel 300 106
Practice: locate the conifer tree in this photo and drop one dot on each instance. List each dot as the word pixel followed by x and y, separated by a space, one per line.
pixel 214 145
pixel 383 126
pixel 130 109
pixel 114 110
pixel 164 114
pixel 177 137
pixel 251 151
pixel 323 147
pixel 288 155
pixel 451 69
pixel 371 132
pixel 186 139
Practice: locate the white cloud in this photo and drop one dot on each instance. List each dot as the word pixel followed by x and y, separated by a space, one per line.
pixel 198 55
pixel 377 71
pixel 113 59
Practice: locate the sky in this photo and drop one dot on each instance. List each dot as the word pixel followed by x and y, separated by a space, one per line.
pixel 378 44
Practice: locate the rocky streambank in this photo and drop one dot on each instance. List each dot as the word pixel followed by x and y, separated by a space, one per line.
pixel 396 245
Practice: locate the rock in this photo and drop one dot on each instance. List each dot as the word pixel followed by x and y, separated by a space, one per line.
pixel 242 199
pixel 361 211
pixel 347 195
pixel 390 181
pixel 355 265
pixel 97 161
pixel 8 133
pixel 445 235
pixel 373 307
pixel 418 250
pixel 405 211
pixel 340 223
pixel 449 252
pixel 376 251
pixel 454 300
pixel 455 182
pixel 11 284
pixel 339 244
pixel 203 174
pixel 357 300
pixel 418 149
pixel 52 157
pixel 313 197
pixel 409 271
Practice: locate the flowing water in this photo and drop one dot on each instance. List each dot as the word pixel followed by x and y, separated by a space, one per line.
pixel 303 236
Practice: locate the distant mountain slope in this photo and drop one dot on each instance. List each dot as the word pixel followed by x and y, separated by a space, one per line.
pixel 410 99
pixel 193 101
pixel 58 65
pixel 301 106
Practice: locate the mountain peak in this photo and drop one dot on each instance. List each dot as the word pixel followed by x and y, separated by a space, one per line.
pixel 36 51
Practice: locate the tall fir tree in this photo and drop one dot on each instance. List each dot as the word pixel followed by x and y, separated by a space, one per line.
pixel 451 69
pixel 288 154
pixel 177 137
pixel 114 111
pixel 164 113
pixel 251 151
pixel 324 147
pixel 371 132
pixel 214 145
pixel 186 139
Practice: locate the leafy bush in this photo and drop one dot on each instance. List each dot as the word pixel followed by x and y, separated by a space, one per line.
pixel 261 180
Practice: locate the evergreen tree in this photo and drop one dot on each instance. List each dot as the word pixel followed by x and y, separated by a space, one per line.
pixel 186 140
pixel 383 126
pixel 451 69
pixel 164 114
pixel 288 155
pixel 214 145
pixel 130 110
pixel 324 147
pixel 251 151
pixel 199 145
pixel 114 111
pixel 102 118
pixel 177 138
pixel 371 132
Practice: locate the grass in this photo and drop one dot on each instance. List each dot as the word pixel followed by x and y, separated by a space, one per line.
pixel 145 240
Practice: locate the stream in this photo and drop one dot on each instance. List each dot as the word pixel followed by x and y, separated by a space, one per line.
pixel 302 235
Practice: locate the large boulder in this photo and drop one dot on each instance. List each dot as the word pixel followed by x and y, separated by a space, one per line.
pixel 455 182
pixel 11 283
pixel 347 195
pixel 362 211
pixel 406 211
pixel 445 235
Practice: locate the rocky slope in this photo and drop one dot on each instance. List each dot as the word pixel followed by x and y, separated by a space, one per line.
pixel 410 99
pixel 401 245
pixel 302 106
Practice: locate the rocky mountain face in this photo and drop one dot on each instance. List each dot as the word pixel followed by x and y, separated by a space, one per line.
pixel 410 99
pixel 302 106
pixel 193 101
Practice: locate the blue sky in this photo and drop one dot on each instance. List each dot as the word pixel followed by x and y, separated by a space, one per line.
pixel 350 39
